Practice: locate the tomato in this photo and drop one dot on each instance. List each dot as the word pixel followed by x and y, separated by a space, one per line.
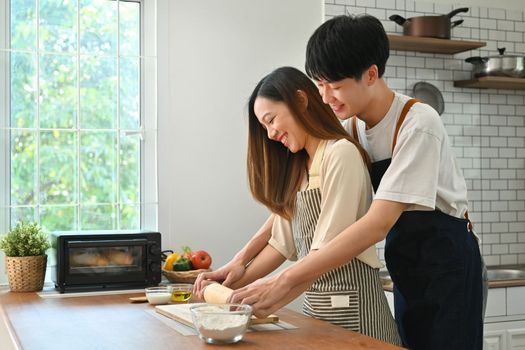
pixel 200 259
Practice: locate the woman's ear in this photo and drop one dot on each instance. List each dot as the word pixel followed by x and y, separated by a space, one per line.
pixel 302 99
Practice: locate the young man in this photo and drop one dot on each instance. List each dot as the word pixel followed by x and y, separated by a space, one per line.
pixel 420 202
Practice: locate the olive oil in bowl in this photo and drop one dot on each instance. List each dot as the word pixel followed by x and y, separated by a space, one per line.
pixel 181 292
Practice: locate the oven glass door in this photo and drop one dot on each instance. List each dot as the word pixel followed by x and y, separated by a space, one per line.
pixel 106 261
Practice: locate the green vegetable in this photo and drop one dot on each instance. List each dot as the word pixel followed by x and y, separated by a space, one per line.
pixel 182 264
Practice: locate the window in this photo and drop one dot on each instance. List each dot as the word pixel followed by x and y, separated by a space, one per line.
pixel 78 115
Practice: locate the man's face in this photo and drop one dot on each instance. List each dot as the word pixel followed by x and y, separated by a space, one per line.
pixel 346 97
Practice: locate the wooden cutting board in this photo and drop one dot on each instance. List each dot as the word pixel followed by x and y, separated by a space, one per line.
pixel 182 314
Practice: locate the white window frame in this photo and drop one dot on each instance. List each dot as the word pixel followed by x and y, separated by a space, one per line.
pixel 148 157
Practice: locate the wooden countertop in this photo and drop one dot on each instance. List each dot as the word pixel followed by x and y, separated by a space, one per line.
pixel 112 322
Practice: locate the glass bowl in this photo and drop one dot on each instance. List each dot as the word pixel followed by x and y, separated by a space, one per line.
pixel 158 295
pixel 221 323
pixel 181 292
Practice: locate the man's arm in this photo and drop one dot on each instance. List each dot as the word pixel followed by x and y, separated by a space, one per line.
pixel 266 296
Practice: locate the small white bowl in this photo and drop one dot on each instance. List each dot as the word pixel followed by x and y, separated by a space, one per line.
pixel 158 295
pixel 221 323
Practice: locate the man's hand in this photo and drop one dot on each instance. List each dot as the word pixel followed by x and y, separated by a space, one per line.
pixel 265 295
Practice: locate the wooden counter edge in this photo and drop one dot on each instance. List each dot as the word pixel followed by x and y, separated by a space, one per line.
pixel 9 328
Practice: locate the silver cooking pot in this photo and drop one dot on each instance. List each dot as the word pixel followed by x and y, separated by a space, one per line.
pixel 501 65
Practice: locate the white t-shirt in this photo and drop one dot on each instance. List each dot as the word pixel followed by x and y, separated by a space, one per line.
pixel 346 194
pixel 423 171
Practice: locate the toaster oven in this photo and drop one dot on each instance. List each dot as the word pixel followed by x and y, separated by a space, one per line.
pixel 105 260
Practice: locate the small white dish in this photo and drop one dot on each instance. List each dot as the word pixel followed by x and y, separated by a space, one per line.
pixel 158 295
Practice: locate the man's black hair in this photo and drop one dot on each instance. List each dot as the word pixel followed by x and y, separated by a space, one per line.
pixel 345 46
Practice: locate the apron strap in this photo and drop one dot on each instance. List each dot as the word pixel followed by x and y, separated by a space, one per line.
pixel 355 134
pixel 469 225
pixel 404 112
pixel 314 180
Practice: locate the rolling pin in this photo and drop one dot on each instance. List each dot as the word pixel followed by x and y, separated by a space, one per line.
pixel 216 293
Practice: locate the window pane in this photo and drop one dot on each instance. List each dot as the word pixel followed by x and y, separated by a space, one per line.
pixel 58 93
pixel 57 167
pixel 129 28
pixel 23 167
pixel 23 90
pixel 98 167
pixel 74 83
pixel 58 218
pixel 26 214
pixel 98 27
pixel 129 93
pixel 98 92
pixel 129 217
pixel 129 169
pixel 58 25
pixel 98 217
pixel 23 24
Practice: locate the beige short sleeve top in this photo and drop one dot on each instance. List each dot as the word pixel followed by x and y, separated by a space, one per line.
pixel 346 194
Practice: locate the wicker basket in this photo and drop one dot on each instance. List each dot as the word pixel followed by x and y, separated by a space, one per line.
pixel 183 276
pixel 26 273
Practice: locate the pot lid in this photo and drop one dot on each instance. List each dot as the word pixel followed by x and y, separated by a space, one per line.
pixel 429 94
pixel 501 51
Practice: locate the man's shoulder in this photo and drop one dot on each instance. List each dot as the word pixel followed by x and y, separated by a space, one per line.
pixel 423 117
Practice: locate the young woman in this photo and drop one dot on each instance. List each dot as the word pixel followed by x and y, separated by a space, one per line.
pixel 313 177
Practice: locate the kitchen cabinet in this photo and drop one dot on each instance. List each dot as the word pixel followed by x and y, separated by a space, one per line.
pixel 432 45
pixel 496 303
pixel 505 319
pixel 504 336
pixel 492 83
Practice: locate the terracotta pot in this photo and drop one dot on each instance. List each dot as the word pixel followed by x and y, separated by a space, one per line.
pixel 26 273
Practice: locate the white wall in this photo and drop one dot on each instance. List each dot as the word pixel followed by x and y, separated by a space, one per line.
pixel 211 54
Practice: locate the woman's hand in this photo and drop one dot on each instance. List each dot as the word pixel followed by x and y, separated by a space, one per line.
pixel 227 275
pixel 265 295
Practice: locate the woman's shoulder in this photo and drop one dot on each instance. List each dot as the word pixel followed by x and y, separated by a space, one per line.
pixel 341 149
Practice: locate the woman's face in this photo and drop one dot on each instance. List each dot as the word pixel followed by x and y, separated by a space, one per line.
pixel 280 124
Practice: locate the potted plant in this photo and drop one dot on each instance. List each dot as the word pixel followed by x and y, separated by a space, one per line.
pixel 25 257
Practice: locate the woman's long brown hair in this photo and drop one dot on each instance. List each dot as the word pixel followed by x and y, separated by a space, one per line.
pixel 274 173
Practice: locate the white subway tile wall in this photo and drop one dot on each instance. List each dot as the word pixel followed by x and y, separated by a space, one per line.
pixel 486 126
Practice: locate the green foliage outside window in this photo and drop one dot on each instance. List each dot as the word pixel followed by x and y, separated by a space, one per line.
pixel 73 95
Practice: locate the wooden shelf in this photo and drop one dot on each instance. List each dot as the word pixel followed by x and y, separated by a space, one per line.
pixel 493 83
pixel 432 45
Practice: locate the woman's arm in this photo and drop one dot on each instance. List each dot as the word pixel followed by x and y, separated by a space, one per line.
pixel 235 269
pixel 265 262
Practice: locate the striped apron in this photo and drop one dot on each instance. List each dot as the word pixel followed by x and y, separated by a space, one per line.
pixel 350 296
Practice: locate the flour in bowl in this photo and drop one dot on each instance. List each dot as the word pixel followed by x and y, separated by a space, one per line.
pixel 215 323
